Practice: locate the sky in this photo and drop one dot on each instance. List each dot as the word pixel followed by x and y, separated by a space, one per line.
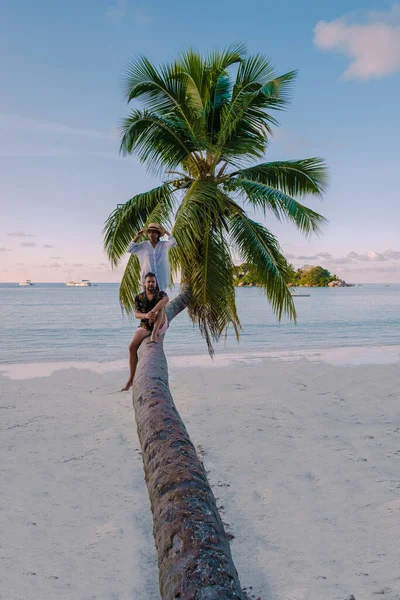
pixel 61 102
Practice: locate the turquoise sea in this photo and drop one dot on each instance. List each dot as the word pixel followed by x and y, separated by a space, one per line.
pixel 55 323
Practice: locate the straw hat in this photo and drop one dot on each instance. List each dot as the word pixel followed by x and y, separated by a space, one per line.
pixel 155 227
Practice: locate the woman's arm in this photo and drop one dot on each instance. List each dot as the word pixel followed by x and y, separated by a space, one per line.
pixel 133 247
pixel 171 242
pixel 161 304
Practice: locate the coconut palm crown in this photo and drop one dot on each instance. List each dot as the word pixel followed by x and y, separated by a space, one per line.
pixel 204 122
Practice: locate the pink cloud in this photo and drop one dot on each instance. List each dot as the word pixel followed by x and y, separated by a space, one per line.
pixel 20 234
pixel 373 46
pixel 392 255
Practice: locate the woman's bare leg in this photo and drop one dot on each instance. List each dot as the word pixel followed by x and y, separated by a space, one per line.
pixel 159 322
pixel 137 339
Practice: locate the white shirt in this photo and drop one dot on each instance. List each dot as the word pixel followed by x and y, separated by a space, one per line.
pixel 154 260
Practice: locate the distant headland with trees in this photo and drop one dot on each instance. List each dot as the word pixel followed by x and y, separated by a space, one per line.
pixel 307 276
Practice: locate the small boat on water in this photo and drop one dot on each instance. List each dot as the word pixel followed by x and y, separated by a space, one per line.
pixel 300 295
pixel 26 282
pixel 82 283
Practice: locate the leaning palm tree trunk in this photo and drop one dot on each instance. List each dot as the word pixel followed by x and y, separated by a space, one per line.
pixel 194 557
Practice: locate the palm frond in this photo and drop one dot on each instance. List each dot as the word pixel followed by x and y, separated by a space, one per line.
pixel 245 122
pixel 293 177
pixel 203 202
pixel 280 88
pixel 283 206
pixel 202 256
pixel 160 142
pixel 192 71
pixel 257 246
pixel 220 96
pixel 210 275
pixel 130 285
pixel 244 130
pixel 160 90
pixel 254 71
pixel 217 61
pixel 127 219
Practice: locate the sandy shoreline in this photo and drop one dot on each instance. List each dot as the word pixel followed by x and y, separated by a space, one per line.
pixel 347 356
pixel 303 456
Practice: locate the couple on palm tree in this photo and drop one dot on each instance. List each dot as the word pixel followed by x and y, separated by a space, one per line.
pixel 155 278
pixel 205 120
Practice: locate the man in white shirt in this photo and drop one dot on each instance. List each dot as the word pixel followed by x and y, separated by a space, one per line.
pixel 153 254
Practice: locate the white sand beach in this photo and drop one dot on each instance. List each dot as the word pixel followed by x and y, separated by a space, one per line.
pixel 303 456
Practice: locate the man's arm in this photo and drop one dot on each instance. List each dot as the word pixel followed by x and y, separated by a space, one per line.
pixel 140 315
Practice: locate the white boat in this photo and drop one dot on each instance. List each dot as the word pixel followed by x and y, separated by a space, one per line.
pixel 300 295
pixel 26 282
pixel 82 283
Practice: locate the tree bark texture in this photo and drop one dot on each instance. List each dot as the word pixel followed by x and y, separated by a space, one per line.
pixel 194 557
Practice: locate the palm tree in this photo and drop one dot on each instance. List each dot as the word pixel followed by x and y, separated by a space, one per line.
pixel 205 120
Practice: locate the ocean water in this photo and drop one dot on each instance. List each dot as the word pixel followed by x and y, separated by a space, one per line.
pixel 55 323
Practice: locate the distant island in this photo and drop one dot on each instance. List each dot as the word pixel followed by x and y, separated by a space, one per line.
pixel 307 276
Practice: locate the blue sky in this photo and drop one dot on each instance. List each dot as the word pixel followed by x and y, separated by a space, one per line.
pixel 61 101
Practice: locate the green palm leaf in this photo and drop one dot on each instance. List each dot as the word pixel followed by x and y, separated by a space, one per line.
pixel 161 91
pixel 293 177
pixel 130 285
pixel 257 246
pixel 129 218
pixel 210 276
pixel 283 206
pixel 161 142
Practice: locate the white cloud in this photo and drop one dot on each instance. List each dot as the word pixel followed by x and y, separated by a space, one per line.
pixel 392 255
pixel 350 258
pixel 142 17
pixel 344 260
pixel 117 12
pixel 28 244
pixel 368 256
pixel 20 234
pixel 47 246
pixel 55 257
pixel 23 150
pixel 54 265
pixel 323 255
pixel 26 124
pixel 4 249
pixel 373 45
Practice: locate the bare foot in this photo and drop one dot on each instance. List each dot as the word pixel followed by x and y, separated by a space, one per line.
pixel 128 385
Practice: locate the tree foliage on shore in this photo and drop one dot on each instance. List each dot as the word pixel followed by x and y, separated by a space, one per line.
pixel 204 121
pixel 314 277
